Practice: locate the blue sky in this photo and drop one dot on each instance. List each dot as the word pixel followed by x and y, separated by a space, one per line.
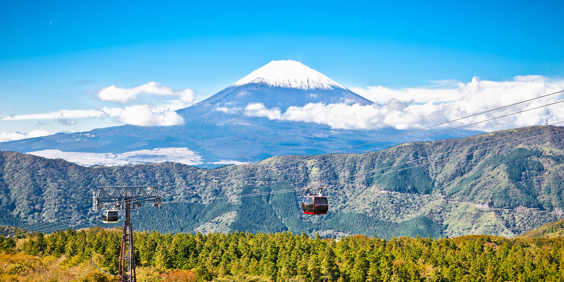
pixel 56 55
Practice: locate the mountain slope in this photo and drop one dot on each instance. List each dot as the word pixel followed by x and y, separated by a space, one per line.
pixel 553 229
pixel 501 183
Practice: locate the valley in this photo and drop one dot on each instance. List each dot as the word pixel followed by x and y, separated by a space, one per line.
pixel 502 183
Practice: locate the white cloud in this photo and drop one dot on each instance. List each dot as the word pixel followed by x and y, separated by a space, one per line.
pixel 142 115
pixel 56 115
pixel 434 106
pixel 229 162
pixel 176 155
pixel 259 110
pixel 400 108
pixel 145 115
pixel 227 110
pixel 380 94
pixel 124 95
pixel 186 95
pixel 11 136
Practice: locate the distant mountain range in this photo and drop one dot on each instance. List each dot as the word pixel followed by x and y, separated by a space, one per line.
pixel 230 127
pixel 501 183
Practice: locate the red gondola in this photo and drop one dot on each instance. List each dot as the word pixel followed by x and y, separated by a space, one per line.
pixel 315 203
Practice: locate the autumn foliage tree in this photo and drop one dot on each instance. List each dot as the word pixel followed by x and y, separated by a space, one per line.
pixel 284 256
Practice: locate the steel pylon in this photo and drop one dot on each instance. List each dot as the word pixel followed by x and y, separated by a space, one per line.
pixel 126 198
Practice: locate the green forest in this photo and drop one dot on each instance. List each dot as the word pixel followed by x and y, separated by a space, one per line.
pixel 502 183
pixel 402 203
pixel 243 256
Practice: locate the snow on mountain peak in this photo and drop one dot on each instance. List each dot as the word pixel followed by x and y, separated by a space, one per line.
pixel 289 74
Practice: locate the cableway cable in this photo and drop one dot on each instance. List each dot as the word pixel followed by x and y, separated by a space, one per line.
pixel 44 230
pixel 57 227
pixel 445 152
pixel 420 165
pixel 474 123
pixel 450 121
pixel 470 124
pixel 95 266
pixel 382 168
pixel 41 225
pixel 405 133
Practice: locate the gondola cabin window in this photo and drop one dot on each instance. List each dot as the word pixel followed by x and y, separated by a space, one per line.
pixel 307 205
pixel 320 205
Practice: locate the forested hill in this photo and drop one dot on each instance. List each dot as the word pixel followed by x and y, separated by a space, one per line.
pixel 553 229
pixel 281 257
pixel 501 183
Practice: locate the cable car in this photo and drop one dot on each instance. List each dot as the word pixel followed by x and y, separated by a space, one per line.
pixel 110 216
pixel 315 203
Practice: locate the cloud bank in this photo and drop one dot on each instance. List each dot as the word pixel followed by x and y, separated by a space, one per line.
pixel 11 136
pixel 141 115
pixel 229 162
pixel 419 107
pixel 147 115
pixel 124 95
pixel 176 155
pixel 380 94
pixel 406 108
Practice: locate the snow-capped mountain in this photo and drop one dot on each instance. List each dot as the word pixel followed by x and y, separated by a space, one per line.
pixel 219 130
pixel 280 84
pixel 288 74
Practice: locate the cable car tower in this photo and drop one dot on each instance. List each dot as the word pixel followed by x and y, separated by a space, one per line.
pixel 117 198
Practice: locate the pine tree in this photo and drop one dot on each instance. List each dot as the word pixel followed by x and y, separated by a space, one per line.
pixel 386 268
pixel 110 258
pixel 329 268
pixel 162 258
pixel 41 244
pixel 314 268
pixel 7 244
pixel 360 267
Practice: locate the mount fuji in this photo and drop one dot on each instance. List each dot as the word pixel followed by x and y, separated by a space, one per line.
pixel 283 84
pixel 231 127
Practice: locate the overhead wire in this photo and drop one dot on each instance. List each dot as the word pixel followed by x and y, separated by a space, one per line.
pixel 470 124
pixel 394 171
pixel 45 230
pixel 56 227
pixel 41 225
pixel 51 229
pixel 416 138
pixel 45 227
pixel 454 120
pixel 445 152
pixel 447 122
pixel 383 168
pixel 245 195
